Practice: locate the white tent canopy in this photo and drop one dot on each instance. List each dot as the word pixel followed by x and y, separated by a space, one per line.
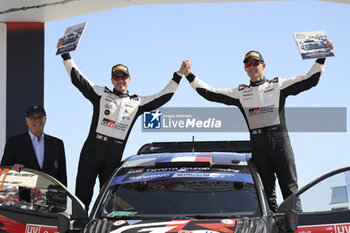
pixel 51 10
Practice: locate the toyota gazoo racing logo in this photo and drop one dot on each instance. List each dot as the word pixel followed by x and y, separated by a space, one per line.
pixel 114 125
pixel 254 111
pixel 262 110
pixel 108 123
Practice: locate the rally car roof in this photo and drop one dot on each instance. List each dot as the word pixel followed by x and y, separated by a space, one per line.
pixel 196 146
pixel 187 159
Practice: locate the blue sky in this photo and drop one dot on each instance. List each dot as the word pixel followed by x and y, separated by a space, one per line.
pixel 152 40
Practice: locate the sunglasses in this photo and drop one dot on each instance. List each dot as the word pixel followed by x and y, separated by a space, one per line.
pixel 253 63
pixel 118 77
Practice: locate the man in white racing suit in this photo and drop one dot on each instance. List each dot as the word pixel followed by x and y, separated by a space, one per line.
pixel 114 114
pixel 262 105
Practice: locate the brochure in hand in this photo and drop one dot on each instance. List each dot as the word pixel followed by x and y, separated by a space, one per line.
pixel 312 44
pixel 71 38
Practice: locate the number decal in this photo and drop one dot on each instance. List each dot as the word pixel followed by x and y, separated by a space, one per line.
pixel 6 170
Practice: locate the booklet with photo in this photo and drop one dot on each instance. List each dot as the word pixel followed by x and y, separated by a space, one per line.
pixel 312 44
pixel 71 38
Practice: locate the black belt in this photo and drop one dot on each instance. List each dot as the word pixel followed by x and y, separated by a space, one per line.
pixel 108 139
pixel 264 130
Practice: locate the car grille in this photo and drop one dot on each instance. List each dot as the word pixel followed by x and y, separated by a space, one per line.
pixel 250 225
pixel 100 226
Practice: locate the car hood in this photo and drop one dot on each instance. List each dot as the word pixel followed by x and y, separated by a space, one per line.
pixel 250 225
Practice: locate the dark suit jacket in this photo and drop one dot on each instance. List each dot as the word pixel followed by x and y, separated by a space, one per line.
pixel 19 149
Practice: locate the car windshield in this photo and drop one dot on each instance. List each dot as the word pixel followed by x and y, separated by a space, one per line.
pixel 181 193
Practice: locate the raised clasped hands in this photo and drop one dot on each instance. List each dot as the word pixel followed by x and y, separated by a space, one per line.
pixel 185 68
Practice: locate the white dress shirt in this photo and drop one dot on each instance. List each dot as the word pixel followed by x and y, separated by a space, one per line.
pixel 39 148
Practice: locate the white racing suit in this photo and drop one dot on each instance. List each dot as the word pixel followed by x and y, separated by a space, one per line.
pixel 114 115
pixel 262 105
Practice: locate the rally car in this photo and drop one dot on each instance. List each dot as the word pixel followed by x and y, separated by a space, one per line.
pixel 176 187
